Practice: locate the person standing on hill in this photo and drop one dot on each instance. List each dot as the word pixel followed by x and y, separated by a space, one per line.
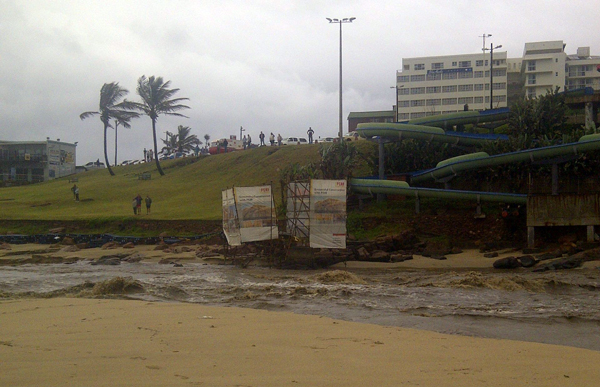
pixel 279 139
pixel 76 192
pixel 73 188
pixel 138 204
pixel 261 137
pixel 249 142
pixel 245 142
pixel 310 133
pixel 272 139
pixel 148 204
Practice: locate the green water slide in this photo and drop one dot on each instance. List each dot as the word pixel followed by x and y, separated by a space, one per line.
pixel 391 187
pixel 480 160
pixel 432 128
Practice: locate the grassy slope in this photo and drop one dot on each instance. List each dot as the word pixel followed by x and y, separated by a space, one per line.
pixel 190 191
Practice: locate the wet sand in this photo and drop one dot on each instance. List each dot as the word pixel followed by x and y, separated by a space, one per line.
pixel 99 342
pixel 84 342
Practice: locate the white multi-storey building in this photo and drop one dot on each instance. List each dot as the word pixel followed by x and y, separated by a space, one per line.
pixel 583 70
pixel 544 67
pixel 446 84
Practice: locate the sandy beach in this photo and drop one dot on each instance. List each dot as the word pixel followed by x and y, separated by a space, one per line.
pixel 74 341
pixel 84 342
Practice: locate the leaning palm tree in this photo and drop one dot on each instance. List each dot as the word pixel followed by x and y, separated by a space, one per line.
pixel 156 100
pixel 186 142
pixel 206 138
pixel 111 108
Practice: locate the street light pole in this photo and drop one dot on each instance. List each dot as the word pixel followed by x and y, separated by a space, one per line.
pixel 492 48
pixel 483 49
pixel 340 22
pixel 241 130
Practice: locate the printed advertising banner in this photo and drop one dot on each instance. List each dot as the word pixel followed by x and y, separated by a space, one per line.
pixel 328 214
pixel 256 213
pixel 231 223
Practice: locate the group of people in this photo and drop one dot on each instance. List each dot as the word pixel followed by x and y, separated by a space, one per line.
pixel 137 204
pixel 148 155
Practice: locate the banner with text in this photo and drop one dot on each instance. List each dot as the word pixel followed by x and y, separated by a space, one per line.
pixel 328 214
pixel 256 212
pixel 231 223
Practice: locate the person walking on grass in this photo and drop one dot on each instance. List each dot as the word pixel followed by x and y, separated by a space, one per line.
pixel 148 204
pixel 73 190
pixel 310 133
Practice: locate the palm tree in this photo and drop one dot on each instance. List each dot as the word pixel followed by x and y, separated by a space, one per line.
pixel 206 138
pixel 110 108
pixel 170 144
pixel 156 99
pixel 186 142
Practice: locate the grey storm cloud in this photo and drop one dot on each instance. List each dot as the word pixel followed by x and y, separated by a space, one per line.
pixel 264 65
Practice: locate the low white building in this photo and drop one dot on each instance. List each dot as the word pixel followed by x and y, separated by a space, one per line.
pixel 36 161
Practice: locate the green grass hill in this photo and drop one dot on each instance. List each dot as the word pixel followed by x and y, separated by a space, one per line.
pixel 190 189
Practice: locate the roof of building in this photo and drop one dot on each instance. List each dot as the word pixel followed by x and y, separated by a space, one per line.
pixel 380 113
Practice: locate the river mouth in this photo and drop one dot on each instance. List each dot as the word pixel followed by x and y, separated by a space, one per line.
pixel 550 307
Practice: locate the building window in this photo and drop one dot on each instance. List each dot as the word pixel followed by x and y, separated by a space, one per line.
pixel 479 63
pixel 478 74
pixel 434 89
pixel 406 67
pixel 449 101
pixel 417 102
pixel 403 116
pixel 417 115
pixel 417 90
pixel 449 76
pixel 417 78
pixel 531 79
pixel 499 72
pixel 403 78
pixel 420 66
pixel 487 86
pixel 478 99
pixel 531 93
pixel 479 87
pixel 464 63
pixel 449 89
pixel 464 100
pixel 531 65
pixel 433 102
pixel 434 76
pixel 453 64
pixel 465 75
pixel 403 103
pixel 404 91
pixel 437 66
pixel 465 87
pixel 499 86
pixel 499 98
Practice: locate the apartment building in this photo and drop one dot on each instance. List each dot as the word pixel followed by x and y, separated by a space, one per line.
pixel 436 85
pixel 544 65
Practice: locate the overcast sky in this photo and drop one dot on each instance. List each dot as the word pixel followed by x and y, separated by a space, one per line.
pixel 264 65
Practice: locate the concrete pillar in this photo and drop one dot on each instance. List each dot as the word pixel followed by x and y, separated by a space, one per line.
pixel 590 233
pixel 554 179
pixel 381 197
pixel 530 237
pixel 590 126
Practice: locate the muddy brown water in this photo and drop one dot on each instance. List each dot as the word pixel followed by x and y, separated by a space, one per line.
pixel 551 307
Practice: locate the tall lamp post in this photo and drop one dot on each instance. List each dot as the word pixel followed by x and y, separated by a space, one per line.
pixel 483 49
pixel 340 22
pixel 492 48
pixel 241 130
